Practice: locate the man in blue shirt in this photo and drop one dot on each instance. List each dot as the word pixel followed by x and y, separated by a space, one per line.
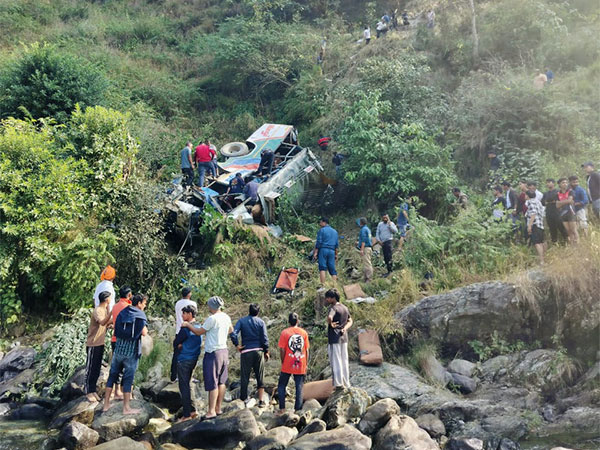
pixel 581 199
pixel 253 352
pixel 365 246
pixel 326 250
pixel 236 187
pixel 187 165
pixel 402 221
pixel 251 192
pixel 189 346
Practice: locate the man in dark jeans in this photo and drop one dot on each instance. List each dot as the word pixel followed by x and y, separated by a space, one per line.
pixel 265 167
pixel 189 346
pixel 293 351
pixel 549 200
pixel 385 235
pixel 253 352
pixel 187 165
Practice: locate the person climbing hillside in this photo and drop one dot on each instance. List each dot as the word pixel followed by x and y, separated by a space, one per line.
pixel 187 165
pixel 385 236
pixel 367 34
pixel 326 250
pixel 365 247
pixel 107 277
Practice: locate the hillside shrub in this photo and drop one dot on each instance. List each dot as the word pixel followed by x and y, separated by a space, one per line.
pixel 41 81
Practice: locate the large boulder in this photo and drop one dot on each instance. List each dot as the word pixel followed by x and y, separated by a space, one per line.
pixel 225 431
pixel 79 409
pixel 122 443
pixel 151 389
pixel 278 438
pixel 16 361
pixel 169 397
pixel 74 387
pixel 344 406
pixel 432 424
pixel 462 367
pixel 465 444
pixel 113 424
pixel 17 386
pixel 76 436
pixel 30 411
pixel 403 433
pixel 464 384
pixel 343 438
pixel 377 415
pixel 314 426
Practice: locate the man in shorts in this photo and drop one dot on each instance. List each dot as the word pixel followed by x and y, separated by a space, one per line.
pixel 535 224
pixel 215 363
pixel 326 250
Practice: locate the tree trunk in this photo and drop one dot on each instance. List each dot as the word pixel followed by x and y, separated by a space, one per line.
pixel 474 32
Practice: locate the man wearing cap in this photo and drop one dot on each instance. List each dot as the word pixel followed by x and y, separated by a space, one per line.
pixel 106 285
pixel 593 186
pixel 326 250
pixel 216 356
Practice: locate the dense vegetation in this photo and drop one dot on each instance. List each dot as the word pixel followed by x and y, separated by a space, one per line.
pixel 97 98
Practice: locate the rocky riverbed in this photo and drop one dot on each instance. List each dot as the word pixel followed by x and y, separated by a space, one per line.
pixel 530 398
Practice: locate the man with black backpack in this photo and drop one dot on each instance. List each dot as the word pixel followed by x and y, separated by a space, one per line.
pixel 130 326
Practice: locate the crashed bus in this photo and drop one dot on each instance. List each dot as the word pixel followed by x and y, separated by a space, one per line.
pixel 293 168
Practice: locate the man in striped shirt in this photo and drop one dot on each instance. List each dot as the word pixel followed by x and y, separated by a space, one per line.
pixel 535 224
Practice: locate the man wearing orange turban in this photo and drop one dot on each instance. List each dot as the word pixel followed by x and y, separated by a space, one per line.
pixel 107 276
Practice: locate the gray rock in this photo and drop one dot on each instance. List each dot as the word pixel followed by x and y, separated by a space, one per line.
pixel 155 372
pixel 314 426
pixel 76 436
pixel 18 385
pixel 79 409
pixel 122 443
pixel 432 424
pixel 288 419
pixel 113 424
pixel 403 433
pixel 582 420
pixel 169 397
pixel 74 386
pixel 311 405
pixel 278 437
pixel 377 415
pixel 434 370
pixel 48 403
pixel 151 389
pixel 16 361
pixel 507 444
pixel 30 412
pixel 343 438
pixel 465 444
pixel 462 367
pixel 464 384
pixel 344 406
pixel 225 431
pixel 4 409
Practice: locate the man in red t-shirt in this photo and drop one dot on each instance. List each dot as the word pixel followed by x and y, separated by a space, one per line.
pixel 124 302
pixel 204 156
pixel 293 350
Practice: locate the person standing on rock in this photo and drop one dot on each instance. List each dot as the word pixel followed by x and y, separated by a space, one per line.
pixel 338 323
pixel 253 352
pixel 552 216
pixel 188 346
pixel 186 295
pixel 106 284
pixel 385 235
pixel 95 345
pixel 535 224
pixel 130 326
pixel 124 301
pixel 293 351
pixel 216 356
pixel 565 202
pixel 365 247
pixel 326 250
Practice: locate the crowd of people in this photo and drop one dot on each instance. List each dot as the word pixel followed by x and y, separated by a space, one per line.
pixel 249 336
pixel 562 209
pixel 390 22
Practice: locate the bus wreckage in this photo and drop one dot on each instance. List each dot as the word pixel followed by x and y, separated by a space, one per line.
pixel 293 167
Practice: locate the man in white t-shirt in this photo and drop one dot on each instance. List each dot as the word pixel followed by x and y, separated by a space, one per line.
pixel 186 295
pixel 216 356
pixel 106 284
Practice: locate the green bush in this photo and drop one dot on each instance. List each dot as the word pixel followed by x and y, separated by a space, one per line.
pixel 43 82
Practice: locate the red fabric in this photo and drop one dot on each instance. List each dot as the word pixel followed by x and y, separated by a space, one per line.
pixel 522 201
pixel 204 153
pixel 564 196
pixel 287 279
pixel 120 306
pixel 294 340
pixel 324 141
